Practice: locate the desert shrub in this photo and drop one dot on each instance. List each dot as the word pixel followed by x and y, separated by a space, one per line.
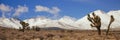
pixel 37 29
pixel 3 37
pixel 50 35
pixel 70 30
pixel 27 28
pixel 41 38
pixel 33 27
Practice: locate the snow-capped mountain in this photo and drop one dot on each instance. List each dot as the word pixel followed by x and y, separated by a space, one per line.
pixel 116 14
pixel 10 23
pixel 105 18
pixel 65 22
pixel 85 24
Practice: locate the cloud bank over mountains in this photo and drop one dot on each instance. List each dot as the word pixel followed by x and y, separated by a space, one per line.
pixel 53 10
pixel 23 9
pixel 65 22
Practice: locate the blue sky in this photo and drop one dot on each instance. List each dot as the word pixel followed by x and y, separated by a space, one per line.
pixel 57 8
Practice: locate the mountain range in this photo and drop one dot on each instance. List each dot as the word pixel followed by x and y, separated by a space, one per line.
pixel 65 22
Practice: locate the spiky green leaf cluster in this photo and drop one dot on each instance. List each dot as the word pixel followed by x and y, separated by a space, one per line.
pixel 95 20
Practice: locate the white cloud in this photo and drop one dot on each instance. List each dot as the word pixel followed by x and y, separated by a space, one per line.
pixel 41 8
pixel 19 10
pixel 53 10
pixel 4 8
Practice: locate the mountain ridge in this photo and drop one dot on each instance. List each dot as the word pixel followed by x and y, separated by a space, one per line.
pixel 66 22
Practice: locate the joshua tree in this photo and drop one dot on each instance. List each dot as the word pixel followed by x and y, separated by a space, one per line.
pixel 24 25
pixel 111 21
pixel 95 22
pixel 36 28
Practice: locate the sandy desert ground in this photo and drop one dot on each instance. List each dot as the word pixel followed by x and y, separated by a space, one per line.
pixel 14 34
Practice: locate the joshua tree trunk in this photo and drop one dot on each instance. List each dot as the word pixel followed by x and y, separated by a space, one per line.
pixel 99 30
pixel 23 29
pixel 108 29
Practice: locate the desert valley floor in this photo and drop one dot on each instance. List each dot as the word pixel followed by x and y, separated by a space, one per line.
pixel 14 34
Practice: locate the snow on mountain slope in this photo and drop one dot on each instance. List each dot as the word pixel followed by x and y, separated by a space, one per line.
pixel 65 22
pixel 40 21
pixel 116 14
pixel 85 24
pixel 10 23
